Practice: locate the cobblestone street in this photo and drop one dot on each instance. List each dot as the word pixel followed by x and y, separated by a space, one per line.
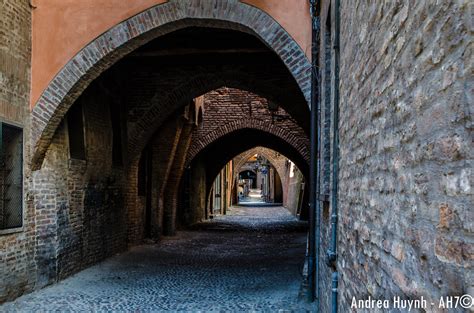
pixel 249 260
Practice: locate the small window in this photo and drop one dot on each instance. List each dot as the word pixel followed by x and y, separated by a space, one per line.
pixel 75 123
pixel 11 177
pixel 115 116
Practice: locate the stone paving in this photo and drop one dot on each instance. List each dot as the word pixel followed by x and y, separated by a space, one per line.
pixel 248 261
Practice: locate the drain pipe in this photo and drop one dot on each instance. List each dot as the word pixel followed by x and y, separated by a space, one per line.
pixel 314 209
pixel 335 281
pixel 332 252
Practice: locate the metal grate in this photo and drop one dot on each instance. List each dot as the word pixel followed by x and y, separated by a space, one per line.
pixel 11 177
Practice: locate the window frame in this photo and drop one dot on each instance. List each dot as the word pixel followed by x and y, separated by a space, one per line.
pixel 21 228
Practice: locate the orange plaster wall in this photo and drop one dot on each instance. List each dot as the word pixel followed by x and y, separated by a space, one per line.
pixel 61 28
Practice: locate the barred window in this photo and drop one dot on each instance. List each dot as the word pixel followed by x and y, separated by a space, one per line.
pixel 11 177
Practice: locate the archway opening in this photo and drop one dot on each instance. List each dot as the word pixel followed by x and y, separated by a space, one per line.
pixel 259 182
pixel 150 156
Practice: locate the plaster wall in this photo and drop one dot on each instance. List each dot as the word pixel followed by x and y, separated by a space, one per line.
pixel 60 29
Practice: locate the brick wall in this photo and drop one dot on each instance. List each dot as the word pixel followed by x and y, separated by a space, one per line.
pixel 405 196
pixel 165 145
pixel 174 179
pixel 17 266
pixel 80 204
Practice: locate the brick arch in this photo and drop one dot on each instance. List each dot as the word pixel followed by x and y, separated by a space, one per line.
pixel 164 104
pixel 214 156
pixel 295 140
pixel 134 32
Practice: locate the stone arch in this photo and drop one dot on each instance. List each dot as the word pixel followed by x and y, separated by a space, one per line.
pixel 193 112
pixel 162 105
pixel 297 142
pixel 134 32
pixel 215 155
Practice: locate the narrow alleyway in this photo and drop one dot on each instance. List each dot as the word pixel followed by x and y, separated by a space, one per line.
pixel 250 259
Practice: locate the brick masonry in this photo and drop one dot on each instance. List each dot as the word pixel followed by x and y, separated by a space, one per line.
pixel 405 195
pixel 164 150
pixel 173 86
pixel 169 146
pixel 80 205
pixel 174 179
pixel 228 110
pixel 66 205
pixel 17 267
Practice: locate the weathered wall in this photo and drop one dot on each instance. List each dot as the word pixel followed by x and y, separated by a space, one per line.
pixel 80 204
pixel 79 22
pixel 405 194
pixel 172 185
pixel 16 249
pixel 197 202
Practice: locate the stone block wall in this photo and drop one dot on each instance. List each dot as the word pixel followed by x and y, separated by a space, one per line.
pixel 406 157
pixel 16 249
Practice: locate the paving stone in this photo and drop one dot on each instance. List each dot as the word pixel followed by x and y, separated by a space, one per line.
pixel 249 260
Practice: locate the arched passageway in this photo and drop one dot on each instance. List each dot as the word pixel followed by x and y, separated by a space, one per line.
pixel 285 176
pixel 139 30
pixel 124 129
pixel 137 133
pixel 258 182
